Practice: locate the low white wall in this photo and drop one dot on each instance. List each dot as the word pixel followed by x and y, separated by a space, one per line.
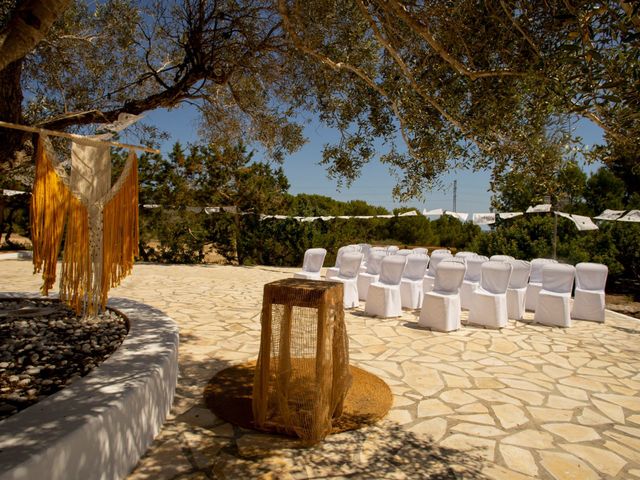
pixel 99 426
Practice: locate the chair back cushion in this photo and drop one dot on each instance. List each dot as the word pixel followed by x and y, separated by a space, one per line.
pixel 501 258
pixel 313 259
pixel 342 251
pixel 591 276
pixel 392 268
pixel 421 251
pixel 441 250
pixel 519 273
pixel 375 261
pixel 404 251
pixel 392 249
pixel 449 276
pixel 464 254
pixel 494 276
pixel 436 258
pixel 416 267
pixel 474 266
pixel 536 268
pixel 558 277
pixel 350 264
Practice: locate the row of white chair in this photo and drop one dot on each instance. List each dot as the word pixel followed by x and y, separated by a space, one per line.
pixel 408 277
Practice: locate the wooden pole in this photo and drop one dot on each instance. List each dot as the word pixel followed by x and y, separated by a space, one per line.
pixel 73 136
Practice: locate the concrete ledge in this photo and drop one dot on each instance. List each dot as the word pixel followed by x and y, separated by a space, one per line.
pixel 99 426
pixel 21 255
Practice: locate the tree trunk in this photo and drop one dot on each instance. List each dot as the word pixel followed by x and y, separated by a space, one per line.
pixel 30 22
pixel 15 144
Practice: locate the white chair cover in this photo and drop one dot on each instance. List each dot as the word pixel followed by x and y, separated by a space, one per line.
pixel 383 298
pixel 404 251
pixel 535 282
pixel 441 250
pixel 589 302
pixel 312 264
pixel 430 276
pixel 441 307
pixel 501 258
pixel 349 268
pixel 412 278
pixel 489 301
pixel 516 293
pixel 465 254
pixel 372 273
pixel 591 279
pixel 471 279
pixel 421 251
pixel 553 306
pixel 392 249
pixel 335 270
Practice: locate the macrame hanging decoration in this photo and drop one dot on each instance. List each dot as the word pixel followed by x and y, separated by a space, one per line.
pixel 101 238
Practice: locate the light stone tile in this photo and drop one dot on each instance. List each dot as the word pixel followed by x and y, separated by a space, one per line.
pixel 572 433
pixel 634 419
pixel 555 401
pixel 530 439
pixel 434 428
pixel 424 380
pixel 476 418
pixel 493 396
pixel 519 459
pixel 632 403
pixel 602 460
pixel 488 383
pixel 454 381
pixel 614 412
pixel 477 430
pixel 563 466
pixel 457 397
pixel 399 415
pixel 542 414
pixel 510 416
pixel 474 445
pixel 476 407
pixel 433 407
pixel 629 430
pixel 530 398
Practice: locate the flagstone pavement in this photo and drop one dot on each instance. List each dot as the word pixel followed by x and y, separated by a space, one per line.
pixel 525 401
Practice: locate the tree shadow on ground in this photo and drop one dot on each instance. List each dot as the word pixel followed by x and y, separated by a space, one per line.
pixel 195 443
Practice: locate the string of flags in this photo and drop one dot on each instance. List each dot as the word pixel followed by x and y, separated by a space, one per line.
pixel 581 222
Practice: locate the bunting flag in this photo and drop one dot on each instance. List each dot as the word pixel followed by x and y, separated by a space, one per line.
pixel 541 208
pixel 508 215
pixel 581 222
pixel 484 218
pixel 101 220
pixel 460 216
pixel 412 213
pixel 631 216
pixel 610 215
pixel 432 213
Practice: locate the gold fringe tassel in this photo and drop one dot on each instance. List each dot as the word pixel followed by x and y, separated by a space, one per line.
pixel 77 273
pixel 120 234
pixel 49 205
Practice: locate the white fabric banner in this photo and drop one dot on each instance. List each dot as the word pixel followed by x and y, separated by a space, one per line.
pixel 459 215
pixel 412 213
pixel 484 218
pixel 541 208
pixel 507 215
pixel 428 213
pixel 610 215
pixel 631 216
pixel 210 210
pixel 327 218
pixel 385 216
pixel 583 223
pixel 11 193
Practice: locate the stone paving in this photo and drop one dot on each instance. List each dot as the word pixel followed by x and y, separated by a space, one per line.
pixel 527 401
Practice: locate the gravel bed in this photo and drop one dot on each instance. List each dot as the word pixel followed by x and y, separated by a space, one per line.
pixel 45 346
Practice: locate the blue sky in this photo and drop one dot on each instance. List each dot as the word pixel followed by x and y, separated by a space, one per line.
pixel 376 182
